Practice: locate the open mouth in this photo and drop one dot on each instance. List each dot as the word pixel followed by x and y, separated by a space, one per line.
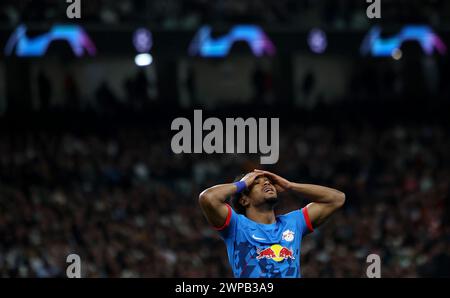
pixel 268 189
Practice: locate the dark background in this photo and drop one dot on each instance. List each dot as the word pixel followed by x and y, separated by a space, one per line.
pixel 86 165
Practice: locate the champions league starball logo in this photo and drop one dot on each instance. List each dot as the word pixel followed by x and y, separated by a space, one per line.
pixel 205 45
pixel 23 45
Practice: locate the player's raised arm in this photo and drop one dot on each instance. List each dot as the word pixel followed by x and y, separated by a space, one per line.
pixel 325 200
pixel 212 200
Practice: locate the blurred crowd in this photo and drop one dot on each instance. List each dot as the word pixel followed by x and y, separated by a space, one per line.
pixel 188 14
pixel 128 206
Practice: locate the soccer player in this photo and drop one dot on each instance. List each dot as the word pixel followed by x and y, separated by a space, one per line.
pixel 260 244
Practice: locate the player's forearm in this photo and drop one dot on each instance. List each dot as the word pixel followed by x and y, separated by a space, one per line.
pixel 218 193
pixel 319 194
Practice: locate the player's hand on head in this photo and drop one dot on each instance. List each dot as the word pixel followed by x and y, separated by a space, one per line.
pixel 250 177
pixel 280 183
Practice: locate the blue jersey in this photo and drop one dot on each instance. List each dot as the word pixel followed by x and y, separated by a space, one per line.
pixel 265 250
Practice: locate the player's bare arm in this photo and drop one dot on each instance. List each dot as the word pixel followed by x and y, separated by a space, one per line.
pixel 324 200
pixel 212 200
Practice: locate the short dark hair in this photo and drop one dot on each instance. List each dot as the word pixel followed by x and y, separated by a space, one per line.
pixel 237 206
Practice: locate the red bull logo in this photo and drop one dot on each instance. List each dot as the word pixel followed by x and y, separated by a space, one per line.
pixel 275 252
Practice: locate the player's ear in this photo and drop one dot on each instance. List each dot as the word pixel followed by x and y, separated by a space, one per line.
pixel 244 201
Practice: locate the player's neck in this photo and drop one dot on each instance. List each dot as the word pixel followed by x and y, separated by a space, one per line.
pixel 266 216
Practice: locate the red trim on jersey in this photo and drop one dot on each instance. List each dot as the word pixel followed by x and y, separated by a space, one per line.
pixel 227 221
pixel 307 220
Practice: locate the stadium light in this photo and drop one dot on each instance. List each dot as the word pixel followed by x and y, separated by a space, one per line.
pixel 143 59
pixel 397 54
pixel 317 41
pixel 142 40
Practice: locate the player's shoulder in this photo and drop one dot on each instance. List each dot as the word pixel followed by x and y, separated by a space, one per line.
pixel 244 221
pixel 291 214
pixel 239 219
